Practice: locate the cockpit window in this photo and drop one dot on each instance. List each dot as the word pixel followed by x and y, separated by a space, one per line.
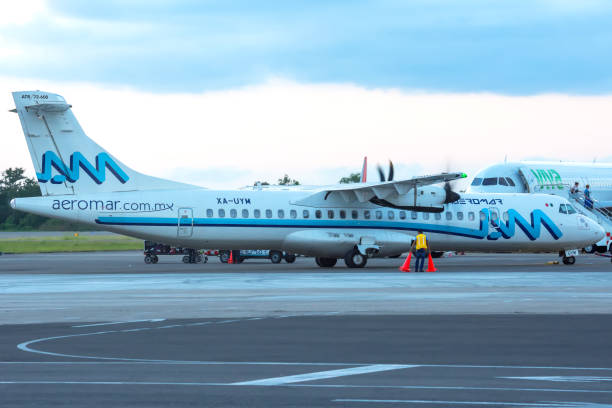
pixel 477 181
pixel 502 181
pixel 570 209
pixel 489 181
pixel 562 209
pixel 510 182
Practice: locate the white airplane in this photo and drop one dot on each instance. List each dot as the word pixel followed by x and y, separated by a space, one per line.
pixel 556 178
pixel 80 181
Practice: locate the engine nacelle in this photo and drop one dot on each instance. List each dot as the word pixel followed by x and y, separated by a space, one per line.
pixel 426 199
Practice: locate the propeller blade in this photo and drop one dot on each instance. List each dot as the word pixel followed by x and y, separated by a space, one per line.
pixel 381 173
pixel 390 171
pixel 451 196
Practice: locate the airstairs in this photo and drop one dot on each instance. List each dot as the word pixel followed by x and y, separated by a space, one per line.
pixel 599 214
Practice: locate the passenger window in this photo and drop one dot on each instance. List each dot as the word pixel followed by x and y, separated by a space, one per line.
pixel 245 213
pixel 489 181
pixel 354 214
pixel 562 209
pixel 402 215
pixel 483 216
pixel 510 182
pixel 502 181
pixel 330 214
pixel 209 213
pixel 378 215
pixel 477 181
pixel 414 215
pixel 494 215
pixel 438 216
pixel 293 214
pixel 471 216
pixel 318 213
pixel 342 214
pixel 366 214
pixel 233 213
pixel 449 215
pixel 505 216
pixel 305 214
pixel 257 213
pixel 460 215
pixel 268 213
pixel 281 214
pixel 221 213
pixel 425 216
pixel 391 215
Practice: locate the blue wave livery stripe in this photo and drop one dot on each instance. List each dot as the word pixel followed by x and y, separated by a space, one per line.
pixel 51 161
pixel 531 229
pixel 506 230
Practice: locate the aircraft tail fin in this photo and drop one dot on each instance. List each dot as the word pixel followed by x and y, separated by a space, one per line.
pixel 65 159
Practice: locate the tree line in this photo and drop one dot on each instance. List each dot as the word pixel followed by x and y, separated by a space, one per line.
pixel 15 184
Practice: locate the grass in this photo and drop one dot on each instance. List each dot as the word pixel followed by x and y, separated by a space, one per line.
pixel 70 243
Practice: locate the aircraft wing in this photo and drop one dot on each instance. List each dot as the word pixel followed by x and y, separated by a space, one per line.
pixel 363 192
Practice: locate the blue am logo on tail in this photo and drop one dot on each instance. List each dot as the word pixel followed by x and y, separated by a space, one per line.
pixel 71 173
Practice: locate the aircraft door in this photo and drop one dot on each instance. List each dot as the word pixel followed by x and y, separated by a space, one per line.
pixel 494 216
pixel 529 180
pixel 185 222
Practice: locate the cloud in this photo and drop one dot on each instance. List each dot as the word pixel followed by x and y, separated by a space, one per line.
pixel 188 46
pixel 317 133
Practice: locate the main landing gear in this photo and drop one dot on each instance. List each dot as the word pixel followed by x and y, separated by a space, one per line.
pixel 326 262
pixel 354 259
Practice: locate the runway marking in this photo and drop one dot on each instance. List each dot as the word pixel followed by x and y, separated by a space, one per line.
pixel 562 378
pixel 321 375
pixel 486 403
pixel 208 384
pixel 124 322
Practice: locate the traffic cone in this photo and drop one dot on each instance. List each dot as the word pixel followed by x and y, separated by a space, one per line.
pixel 406 266
pixel 231 258
pixel 431 267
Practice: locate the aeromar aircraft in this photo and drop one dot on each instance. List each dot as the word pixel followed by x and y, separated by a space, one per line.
pixel 80 181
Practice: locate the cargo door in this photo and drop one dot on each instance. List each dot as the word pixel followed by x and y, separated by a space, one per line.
pixel 185 222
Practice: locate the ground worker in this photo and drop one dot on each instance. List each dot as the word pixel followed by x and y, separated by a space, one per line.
pixel 422 249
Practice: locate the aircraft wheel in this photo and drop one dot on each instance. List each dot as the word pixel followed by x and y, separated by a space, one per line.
pixel 155 259
pixel 290 258
pixel 276 256
pixel 198 259
pixel 326 262
pixel 437 254
pixel 186 259
pixel 148 259
pixel 569 260
pixel 354 259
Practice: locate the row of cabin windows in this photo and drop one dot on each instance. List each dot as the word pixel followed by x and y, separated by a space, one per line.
pixel 354 214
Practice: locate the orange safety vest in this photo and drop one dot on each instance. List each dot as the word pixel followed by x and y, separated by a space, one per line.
pixel 421 241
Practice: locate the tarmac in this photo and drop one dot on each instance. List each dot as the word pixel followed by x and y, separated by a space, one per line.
pixel 501 330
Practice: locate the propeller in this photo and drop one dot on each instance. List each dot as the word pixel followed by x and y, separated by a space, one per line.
pixel 381 173
pixel 451 196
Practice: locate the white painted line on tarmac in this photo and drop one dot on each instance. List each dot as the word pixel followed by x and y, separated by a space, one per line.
pixel 123 322
pixel 321 375
pixel 563 378
pixel 206 384
pixel 485 403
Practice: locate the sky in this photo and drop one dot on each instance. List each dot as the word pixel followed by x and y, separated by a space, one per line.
pixel 223 93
